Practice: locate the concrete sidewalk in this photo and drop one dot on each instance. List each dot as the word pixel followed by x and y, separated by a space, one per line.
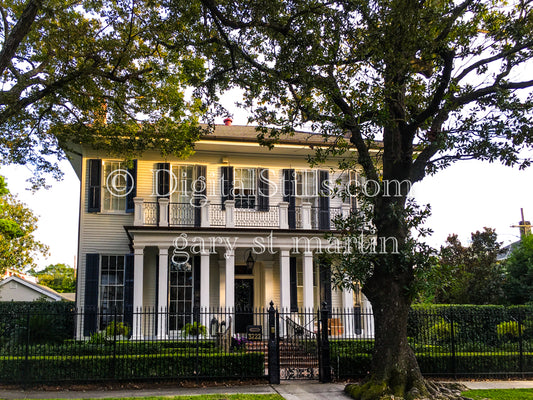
pixel 293 390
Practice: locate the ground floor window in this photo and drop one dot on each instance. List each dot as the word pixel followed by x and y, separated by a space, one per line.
pixel 181 296
pixel 111 289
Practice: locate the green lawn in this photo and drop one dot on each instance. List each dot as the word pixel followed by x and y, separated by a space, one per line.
pixel 202 397
pixel 500 394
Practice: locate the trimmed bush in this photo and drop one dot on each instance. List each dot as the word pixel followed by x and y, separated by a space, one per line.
pixel 131 367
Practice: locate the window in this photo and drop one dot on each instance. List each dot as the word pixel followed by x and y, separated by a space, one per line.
pixel 181 296
pixel 300 284
pixel 111 289
pixel 114 186
pixel 306 183
pixel 184 176
pixel 245 187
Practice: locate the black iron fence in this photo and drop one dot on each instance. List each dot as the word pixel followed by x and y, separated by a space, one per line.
pixel 46 346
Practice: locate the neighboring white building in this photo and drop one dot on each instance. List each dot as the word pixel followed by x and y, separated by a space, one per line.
pixel 14 288
pixel 172 234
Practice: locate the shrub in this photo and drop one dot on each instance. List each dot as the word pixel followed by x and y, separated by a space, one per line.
pixel 441 332
pixel 194 329
pixel 508 330
pixel 117 329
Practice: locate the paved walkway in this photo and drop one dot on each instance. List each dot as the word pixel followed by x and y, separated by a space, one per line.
pixel 299 390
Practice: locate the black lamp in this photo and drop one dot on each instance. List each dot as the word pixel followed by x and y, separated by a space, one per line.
pixel 250 262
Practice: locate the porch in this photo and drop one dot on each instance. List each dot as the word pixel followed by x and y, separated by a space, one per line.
pixel 163 213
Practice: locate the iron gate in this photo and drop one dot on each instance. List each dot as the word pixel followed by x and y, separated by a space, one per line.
pixel 298 346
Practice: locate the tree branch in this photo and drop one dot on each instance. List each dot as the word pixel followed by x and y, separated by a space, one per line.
pixel 18 33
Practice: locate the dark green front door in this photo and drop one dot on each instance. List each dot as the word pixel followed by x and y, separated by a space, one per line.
pixel 244 302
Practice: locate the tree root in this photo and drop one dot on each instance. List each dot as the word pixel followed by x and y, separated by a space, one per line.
pixel 422 391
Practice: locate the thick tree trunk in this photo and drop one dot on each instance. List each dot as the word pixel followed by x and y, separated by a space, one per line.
pixel 394 370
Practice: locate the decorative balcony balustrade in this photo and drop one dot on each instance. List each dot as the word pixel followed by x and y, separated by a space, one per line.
pixel 166 214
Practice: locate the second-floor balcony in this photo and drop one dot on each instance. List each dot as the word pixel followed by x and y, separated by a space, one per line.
pixel 163 213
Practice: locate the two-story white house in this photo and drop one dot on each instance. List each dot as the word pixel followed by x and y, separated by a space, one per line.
pixel 235 226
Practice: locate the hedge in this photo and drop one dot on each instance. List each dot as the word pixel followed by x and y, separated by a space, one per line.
pixel 358 365
pixel 131 367
pixel 49 322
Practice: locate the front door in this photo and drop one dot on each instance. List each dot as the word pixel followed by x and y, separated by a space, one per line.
pixel 244 302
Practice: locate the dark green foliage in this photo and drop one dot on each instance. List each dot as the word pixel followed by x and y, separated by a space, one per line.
pixel 59 277
pixel 48 322
pixel 467 274
pixel 519 285
pixel 130 367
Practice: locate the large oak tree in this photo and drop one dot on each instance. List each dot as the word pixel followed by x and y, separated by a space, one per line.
pixel 92 72
pixel 434 81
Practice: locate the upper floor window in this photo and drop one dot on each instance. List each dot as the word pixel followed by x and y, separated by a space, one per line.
pixel 306 183
pixel 245 188
pixel 184 177
pixel 111 185
pixel 114 186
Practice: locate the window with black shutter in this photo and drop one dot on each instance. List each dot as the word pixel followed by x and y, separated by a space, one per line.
pixel 293 284
pixel 128 290
pixel 288 196
pixel 263 193
pixel 163 180
pixel 199 192
pixel 324 219
pixel 227 185
pixel 131 187
pixel 92 275
pixel 95 176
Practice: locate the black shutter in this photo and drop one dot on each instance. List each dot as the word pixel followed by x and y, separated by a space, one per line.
pixel 357 316
pixel 263 190
pixel 131 187
pixel 199 193
pixel 95 177
pixel 227 185
pixel 324 219
pixel 92 275
pixel 128 291
pixel 325 285
pixel 352 184
pixel 289 191
pixel 293 284
pixel 163 180
pixel 196 281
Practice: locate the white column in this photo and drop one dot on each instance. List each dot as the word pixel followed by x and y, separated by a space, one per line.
pixel 138 219
pixel 306 216
pixel 204 280
pixel 230 279
pixel 347 305
pixel 230 213
pixel 204 214
pixel 346 209
pixel 283 215
pixel 162 294
pixel 222 283
pixel 138 280
pixel 268 283
pixel 163 211
pixel 204 288
pixel 308 281
pixel 285 281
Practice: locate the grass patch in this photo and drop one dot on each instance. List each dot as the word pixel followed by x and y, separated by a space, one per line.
pixel 200 397
pixel 500 394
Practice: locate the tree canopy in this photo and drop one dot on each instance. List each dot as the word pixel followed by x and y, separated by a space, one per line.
pixel 434 82
pixel 91 72
pixel 519 268
pixel 469 274
pixel 18 246
pixel 59 277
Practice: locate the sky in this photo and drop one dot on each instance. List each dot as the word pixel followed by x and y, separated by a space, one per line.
pixel 464 198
